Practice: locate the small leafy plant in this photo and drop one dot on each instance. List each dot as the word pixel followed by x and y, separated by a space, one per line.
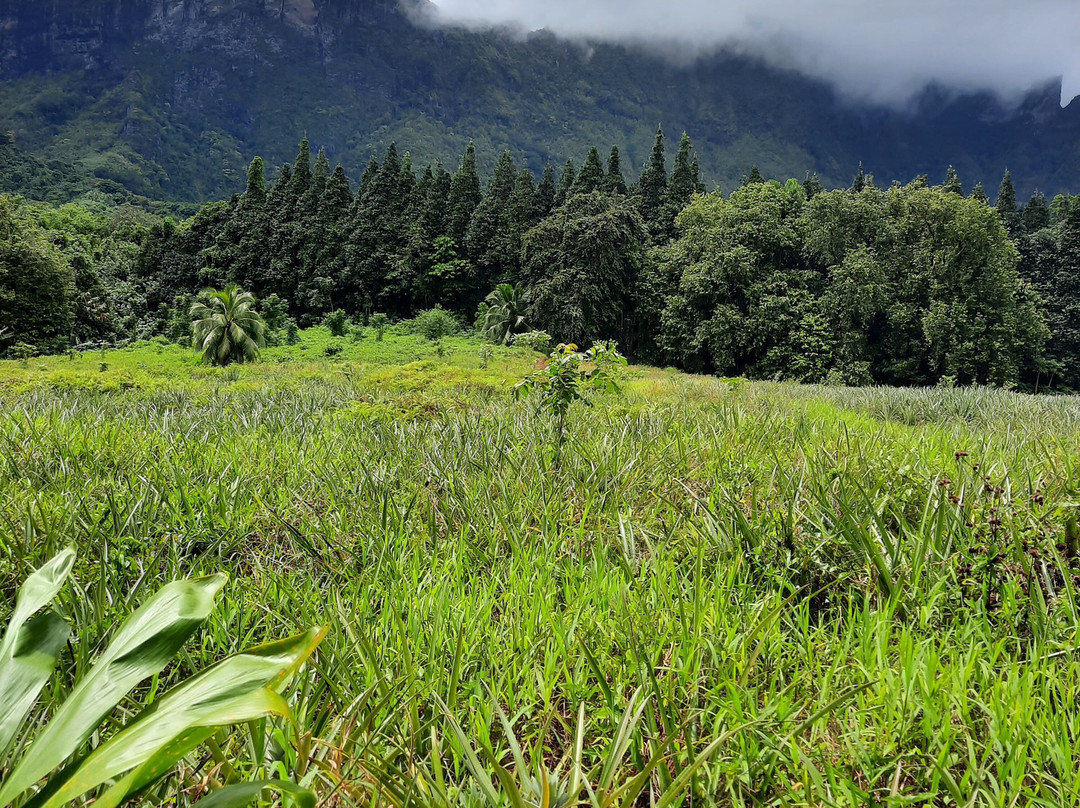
pixel 380 322
pixel 48 765
pixel 566 377
pixel 337 322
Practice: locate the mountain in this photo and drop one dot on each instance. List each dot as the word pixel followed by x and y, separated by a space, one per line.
pixel 169 99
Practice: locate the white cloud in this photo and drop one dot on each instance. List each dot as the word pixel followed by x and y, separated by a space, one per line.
pixel 884 50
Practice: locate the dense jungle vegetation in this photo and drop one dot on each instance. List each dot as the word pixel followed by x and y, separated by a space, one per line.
pixel 906 285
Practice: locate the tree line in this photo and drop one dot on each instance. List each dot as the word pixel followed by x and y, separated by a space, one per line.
pixel 905 285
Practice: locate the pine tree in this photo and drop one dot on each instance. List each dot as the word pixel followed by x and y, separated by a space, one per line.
pixel 978 193
pixel 322 171
pixel 1036 213
pixel 1006 202
pixel 685 176
pixel 859 183
pixel 566 184
pixel 591 176
pixel 812 186
pixel 484 238
pixel 653 183
pixel 545 192
pixel 301 175
pixel 256 181
pixel 614 182
pixel 463 199
pixel 952 182
pixel 368 176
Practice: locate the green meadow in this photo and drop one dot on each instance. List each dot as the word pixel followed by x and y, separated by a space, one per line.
pixel 726 593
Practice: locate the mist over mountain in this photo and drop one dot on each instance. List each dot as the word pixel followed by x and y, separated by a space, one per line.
pixel 171 98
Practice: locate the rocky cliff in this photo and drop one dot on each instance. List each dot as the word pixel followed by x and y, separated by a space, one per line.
pixel 171 98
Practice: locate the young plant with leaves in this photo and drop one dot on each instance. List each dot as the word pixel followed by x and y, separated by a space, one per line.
pixel 566 377
pixel 49 765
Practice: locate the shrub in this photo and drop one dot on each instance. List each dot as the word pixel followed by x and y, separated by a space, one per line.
pixel 332 350
pixel 292 333
pixel 436 323
pixel 337 322
pixel 535 341
pixel 380 322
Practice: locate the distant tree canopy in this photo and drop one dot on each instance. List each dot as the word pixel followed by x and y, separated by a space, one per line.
pixel 904 286
pixel 908 285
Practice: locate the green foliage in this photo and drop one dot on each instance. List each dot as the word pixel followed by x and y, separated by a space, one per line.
pixel 566 378
pixel 766 592
pixel 436 323
pixel 579 265
pixel 502 316
pixel 242 687
pixel 37 287
pixel 533 341
pixel 338 323
pixel 898 287
pixel 227 329
pixel 380 322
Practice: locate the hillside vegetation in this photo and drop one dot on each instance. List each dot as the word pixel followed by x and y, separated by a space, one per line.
pixel 168 99
pixel 790 595
pixel 910 285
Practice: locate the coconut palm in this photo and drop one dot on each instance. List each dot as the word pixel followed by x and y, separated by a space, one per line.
pixel 503 318
pixel 228 329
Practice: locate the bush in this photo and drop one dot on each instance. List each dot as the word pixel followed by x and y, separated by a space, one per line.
pixel 332 350
pixel 292 333
pixel 538 341
pixel 380 322
pixel 337 322
pixel 436 323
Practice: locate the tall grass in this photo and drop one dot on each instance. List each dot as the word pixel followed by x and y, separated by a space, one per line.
pixel 729 593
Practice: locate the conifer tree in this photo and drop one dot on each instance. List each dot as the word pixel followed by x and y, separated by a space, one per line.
pixel 301 172
pixel 368 176
pixel 591 176
pixel 463 198
pixel 978 193
pixel 545 192
pixel 859 183
pixel 952 182
pixel 653 183
pixel 1036 213
pixel 1006 202
pixel 614 181
pixel 566 184
pixel 485 236
pixel 684 183
pixel 256 181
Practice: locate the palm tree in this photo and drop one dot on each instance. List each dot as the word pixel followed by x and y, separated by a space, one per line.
pixel 228 329
pixel 503 318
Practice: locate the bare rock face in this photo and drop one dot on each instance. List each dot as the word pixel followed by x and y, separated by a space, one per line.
pixel 59 35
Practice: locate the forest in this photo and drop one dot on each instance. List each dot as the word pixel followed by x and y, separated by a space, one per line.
pixel 913 284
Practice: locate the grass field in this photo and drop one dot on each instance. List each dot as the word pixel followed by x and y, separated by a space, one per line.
pixel 729 593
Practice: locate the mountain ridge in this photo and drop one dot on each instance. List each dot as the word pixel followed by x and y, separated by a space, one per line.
pixel 171 98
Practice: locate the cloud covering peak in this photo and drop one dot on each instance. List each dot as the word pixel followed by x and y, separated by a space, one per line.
pixel 881 50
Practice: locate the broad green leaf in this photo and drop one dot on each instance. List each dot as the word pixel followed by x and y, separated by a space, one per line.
pixel 30 647
pixel 243 794
pixel 237 689
pixel 145 643
pixel 27 669
pixel 36 593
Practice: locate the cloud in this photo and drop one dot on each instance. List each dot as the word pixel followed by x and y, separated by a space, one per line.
pixel 882 50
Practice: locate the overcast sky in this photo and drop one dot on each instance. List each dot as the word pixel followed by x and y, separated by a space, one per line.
pixel 884 50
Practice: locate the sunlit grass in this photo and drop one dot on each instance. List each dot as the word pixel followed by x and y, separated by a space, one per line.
pixel 841 597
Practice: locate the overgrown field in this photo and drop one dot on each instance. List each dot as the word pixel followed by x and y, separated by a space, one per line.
pixel 820 596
